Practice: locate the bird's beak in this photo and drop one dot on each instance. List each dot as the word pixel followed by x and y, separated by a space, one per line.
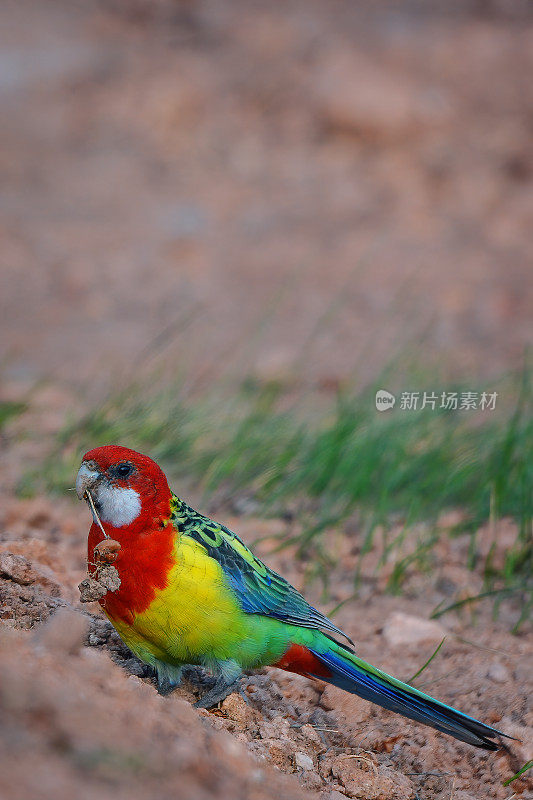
pixel 88 476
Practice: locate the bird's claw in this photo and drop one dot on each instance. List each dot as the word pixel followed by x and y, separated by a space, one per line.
pixel 218 693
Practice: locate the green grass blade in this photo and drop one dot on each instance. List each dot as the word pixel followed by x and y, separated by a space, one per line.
pixel 520 772
pixel 428 662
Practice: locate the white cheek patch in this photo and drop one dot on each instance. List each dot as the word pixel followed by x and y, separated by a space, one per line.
pixel 118 506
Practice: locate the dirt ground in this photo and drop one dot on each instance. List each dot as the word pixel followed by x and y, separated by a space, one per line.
pixel 96 728
pixel 293 189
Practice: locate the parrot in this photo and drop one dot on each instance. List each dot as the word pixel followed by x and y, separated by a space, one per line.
pixel 190 592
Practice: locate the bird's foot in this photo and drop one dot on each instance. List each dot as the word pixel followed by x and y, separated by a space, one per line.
pixel 168 678
pixel 219 692
pixel 165 686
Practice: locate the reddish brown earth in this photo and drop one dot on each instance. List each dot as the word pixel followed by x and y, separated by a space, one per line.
pixel 92 723
pixel 294 189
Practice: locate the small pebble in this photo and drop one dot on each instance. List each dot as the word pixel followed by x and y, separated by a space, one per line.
pixel 498 673
pixel 303 761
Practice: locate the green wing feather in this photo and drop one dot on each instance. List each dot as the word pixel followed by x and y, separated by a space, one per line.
pixel 259 589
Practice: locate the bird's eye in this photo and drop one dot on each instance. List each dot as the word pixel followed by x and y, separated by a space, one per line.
pixel 123 470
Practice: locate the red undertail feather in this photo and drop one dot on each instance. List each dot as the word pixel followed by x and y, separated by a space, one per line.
pixel 302 661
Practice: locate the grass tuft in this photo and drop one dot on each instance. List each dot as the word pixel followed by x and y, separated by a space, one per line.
pixel 397 468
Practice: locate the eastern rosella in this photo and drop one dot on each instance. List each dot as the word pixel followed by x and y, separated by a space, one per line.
pixel 191 592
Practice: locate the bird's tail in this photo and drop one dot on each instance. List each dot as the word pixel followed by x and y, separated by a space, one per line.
pixel 354 675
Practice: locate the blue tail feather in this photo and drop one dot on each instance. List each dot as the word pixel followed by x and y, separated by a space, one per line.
pixel 356 676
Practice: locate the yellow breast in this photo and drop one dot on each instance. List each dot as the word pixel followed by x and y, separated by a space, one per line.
pixel 194 615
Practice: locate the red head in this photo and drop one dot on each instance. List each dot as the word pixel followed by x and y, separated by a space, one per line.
pixel 127 488
pixel 132 499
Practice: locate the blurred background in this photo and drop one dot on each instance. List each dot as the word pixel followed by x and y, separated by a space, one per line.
pixel 225 224
pixel 220 170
